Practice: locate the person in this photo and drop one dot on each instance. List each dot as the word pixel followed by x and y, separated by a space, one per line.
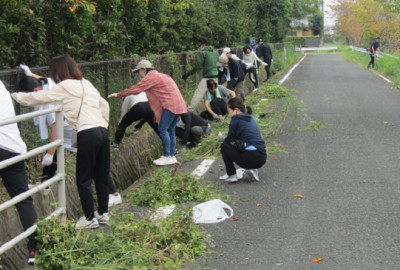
pixel 374 48
pixel 253 45
pixel 207 60
pixel 190 128
pixel 165 100
pixel 264 52
pixel 14 176
pixel 215 100
pixel 30 84
pixel 236 74
pixel 250 59
pixel 88 113
pixel 223 73
pixel 249 151
pixel 134 108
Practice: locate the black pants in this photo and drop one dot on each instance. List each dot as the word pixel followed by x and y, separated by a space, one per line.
pixel 49 171
pixel 218 106
pixel 268 70
pixel 139 111
pixel 93 163
pixel 195 135
pixel 372 62
pixel 252 71
pixel 16 182
pixel 246 159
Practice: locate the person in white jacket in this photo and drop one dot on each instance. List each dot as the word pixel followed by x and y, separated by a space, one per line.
pixel 250 59
pixel 88 113
pixel 14 176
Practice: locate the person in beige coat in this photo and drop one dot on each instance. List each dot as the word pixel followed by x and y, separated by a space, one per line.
pixel 88 113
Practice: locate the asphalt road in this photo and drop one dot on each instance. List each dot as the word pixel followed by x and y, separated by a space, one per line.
pixel 348 175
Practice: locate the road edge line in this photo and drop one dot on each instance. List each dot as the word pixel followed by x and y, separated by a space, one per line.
pixel 291 70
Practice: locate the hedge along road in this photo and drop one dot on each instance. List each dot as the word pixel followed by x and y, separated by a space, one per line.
pixel 348 175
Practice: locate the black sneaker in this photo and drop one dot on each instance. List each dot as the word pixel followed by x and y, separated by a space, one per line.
pixel 31 259
pixel 115 145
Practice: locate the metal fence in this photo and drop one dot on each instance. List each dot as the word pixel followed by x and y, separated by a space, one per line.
pixel 59 177
pixel 378 54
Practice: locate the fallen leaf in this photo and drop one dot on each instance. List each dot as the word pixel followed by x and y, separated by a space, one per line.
pixel 385 122
pixel 258 204
pixel 298 196
pixel 317 260
pixel 274 157
pixel 133 189
pixel 233 219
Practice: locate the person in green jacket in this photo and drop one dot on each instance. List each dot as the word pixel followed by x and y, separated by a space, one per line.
pixel 207 60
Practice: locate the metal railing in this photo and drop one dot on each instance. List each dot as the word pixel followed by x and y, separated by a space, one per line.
pixel 309 49
pixel 59 177
pixel 378 54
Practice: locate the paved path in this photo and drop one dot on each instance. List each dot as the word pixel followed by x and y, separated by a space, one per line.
pixel 348 175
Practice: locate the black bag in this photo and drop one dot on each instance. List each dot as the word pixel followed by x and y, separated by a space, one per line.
pixel 240 145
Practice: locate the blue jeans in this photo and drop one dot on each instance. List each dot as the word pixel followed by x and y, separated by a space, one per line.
pixel 166 128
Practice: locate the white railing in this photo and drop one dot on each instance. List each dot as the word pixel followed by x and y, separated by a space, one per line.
pixel 377 55
pixel 309 49
pixel 59 177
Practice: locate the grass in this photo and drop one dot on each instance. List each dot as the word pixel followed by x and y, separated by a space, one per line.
pixel 388 66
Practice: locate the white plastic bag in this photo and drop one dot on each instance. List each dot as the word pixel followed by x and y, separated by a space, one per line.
pixel 213 211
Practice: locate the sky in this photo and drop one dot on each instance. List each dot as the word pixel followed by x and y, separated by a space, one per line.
pixel 329 16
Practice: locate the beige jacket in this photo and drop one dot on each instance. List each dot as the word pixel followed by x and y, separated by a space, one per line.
pixel 95 110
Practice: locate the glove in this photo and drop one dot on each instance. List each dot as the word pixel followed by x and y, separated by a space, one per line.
pixel 184 77
pixel 215 116
pixel 221 137
pixel 47 160
pixel 264 64
pixel 112 95
pixel 26 69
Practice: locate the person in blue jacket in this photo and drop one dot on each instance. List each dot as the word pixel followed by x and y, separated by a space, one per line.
pixel 244 144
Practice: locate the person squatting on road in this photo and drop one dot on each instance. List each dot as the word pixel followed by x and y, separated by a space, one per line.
pixel 215 100
pixel 134 108
pixel 166 102
pixel 374 48
pixel 88 113
pixel 207 60
pixel 190 128
pixel 14 176
pixel 244 144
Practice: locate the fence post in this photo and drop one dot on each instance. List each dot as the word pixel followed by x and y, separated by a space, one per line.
pixel 62 201
pixel 106 81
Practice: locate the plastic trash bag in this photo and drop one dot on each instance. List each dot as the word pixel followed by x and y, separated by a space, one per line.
pixel 213 211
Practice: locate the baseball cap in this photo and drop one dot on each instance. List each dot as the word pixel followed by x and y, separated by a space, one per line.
pixel 142 64
pixel 226 50
pixel 253 42
pixel 222 59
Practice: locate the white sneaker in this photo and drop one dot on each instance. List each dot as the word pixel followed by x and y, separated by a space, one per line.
pixel 114 199
pixel 254 172
pixel 240 172
pixel 224 177
pixel 231 179
pixel 174 160
pixel 87 224
pixel 163 160
pixel 102 219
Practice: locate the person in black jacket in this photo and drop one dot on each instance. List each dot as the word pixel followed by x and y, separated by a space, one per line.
pixel 236 72
pixel 191 128
pixel 244 145
pixel 374 48
pixel 264 51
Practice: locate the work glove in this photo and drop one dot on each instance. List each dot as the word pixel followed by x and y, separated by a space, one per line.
pixel 216 117
pixel 47 160
pixel 264 64
pixel 221 137
pixel 185 76
pixel 26 69
pixel 113 95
